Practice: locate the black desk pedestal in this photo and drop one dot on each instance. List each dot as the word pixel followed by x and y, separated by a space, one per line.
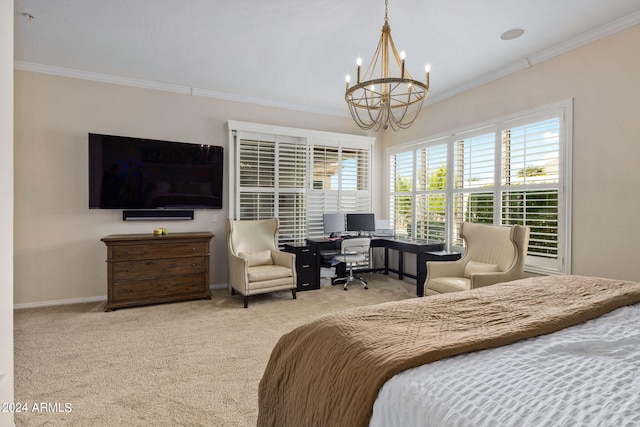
pixel 306 266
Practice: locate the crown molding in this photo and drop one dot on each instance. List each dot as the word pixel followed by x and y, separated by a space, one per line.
pixel 99 77
pixel 268 103
pixel 586 38
pixel 564 47
pixel 173 88
pixel 576 42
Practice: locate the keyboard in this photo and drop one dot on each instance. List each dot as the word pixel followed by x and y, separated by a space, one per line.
pixel 329 253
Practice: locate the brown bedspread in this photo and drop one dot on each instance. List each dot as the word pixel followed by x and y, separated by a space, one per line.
pixel 328 372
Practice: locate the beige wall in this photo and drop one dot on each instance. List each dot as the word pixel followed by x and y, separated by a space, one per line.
pixel 604 82
pixel 6 209
pixel 58 253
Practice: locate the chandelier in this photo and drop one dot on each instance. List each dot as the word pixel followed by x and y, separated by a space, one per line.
pixel 378 100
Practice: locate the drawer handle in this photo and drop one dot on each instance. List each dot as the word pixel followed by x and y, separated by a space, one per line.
pixel 305 266
pixel 193 249
pixel 306 284
pixel 127 270
pixel 306 250
pixel 193 265
pixel 128 290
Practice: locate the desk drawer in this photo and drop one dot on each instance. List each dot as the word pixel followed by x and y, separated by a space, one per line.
pixel 303 267
pixel 307 280
pixel 305 256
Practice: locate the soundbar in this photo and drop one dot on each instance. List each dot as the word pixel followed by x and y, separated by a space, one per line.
pixel 156 214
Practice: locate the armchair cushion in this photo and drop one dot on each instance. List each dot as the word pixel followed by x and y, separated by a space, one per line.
pixel 260 273
pixel 257 258
pixel 473 267
pixel 443 285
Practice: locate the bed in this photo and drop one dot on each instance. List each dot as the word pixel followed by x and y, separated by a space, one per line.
pixel 509 354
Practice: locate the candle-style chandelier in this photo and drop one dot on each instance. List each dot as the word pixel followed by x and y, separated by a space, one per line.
pixel 380 100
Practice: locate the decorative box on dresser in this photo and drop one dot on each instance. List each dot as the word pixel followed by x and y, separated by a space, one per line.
pixel 147 269
pixel 306 266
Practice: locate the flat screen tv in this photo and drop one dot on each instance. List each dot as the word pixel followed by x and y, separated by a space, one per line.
pixel 137 173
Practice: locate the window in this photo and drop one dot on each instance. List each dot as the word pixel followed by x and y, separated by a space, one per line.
pixel 297 176
pixel 513 171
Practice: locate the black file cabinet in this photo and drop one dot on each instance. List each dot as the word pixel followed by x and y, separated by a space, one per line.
pixel 306 265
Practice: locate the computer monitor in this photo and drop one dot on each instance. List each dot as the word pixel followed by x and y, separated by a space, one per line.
pixel 333 224
pixel 361 222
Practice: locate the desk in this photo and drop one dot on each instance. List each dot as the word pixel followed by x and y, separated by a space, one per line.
pixel 421 248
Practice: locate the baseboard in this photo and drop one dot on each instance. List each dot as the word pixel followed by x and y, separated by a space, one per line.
pixel 84 300
pixel 58 302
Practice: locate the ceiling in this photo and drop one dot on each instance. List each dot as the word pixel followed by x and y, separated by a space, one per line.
pixel 296 53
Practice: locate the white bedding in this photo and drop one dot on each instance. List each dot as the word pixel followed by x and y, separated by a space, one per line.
pixel 586 375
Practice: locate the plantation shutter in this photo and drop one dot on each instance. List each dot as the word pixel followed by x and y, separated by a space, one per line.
pixel 297 179
pixel 531 185
pixel 354 183
pixel 340 182
pixel 514 171
pixel 291 172
pixel 401 176
pixel 323 194
pixel 257 163
pixel 431 196
pixel 474 181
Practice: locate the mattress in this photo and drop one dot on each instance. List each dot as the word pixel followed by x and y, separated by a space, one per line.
pixel 585 375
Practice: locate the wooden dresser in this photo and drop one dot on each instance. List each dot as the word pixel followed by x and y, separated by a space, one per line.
pixel 148 269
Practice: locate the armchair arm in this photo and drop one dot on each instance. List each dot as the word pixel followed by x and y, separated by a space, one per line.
pixel 445 268
pixel 288 260
pixel 238 278
pixel 284 259
pixel 479 280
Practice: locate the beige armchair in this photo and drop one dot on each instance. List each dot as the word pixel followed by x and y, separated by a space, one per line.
pixel 494 254
pixel 256 265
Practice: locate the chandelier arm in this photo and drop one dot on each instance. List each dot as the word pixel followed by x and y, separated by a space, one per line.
pixel 371 68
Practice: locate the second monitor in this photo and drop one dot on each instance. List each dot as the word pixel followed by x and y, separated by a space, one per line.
pixel 361 222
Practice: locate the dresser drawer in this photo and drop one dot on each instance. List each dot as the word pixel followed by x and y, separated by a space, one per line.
pixel 127 270
pixel 159 288
pixel 159 250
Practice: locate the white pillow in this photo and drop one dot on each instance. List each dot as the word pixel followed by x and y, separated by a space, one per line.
pixel 479 267
pixel 257 258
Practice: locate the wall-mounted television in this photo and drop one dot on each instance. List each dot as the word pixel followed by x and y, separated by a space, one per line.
pixel 138 173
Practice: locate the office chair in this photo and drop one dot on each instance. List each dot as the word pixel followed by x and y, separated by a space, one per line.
pixel 353 251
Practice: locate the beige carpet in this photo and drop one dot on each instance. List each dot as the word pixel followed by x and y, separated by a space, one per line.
pixel 194 363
